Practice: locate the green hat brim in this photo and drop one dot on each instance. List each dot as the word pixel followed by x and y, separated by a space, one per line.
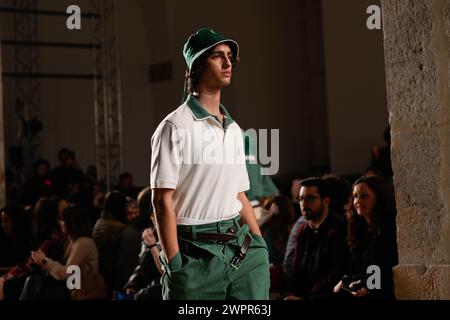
pixel 234 49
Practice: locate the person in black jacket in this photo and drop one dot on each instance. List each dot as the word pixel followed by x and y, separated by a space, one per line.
pixel 372 241
pixel 144 282
pixel 130 242
pixel 320 250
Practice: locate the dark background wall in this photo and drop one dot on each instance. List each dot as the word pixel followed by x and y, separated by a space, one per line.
pixel 356 90
pixel 308 68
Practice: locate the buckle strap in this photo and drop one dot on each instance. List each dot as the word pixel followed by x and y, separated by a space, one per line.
pixel 242 253
pixel 215 236
pixel 229 235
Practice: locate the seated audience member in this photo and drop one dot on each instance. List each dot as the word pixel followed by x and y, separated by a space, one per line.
pixel 144 283
pixel 39 185
pixel 341 195
pixel 321 251
pixel 295 189
pixel 130 242
pixel 277 227
pixel 81 251
pixel 132 209
pixel 126 185
pixel 98 198
pixel 66 174
pixel 47 236
pixel 13 188
pixel 381 157
pixel 372 241
pixel 275 231
pixel 16 224
pixel 340 204
pixel 107 233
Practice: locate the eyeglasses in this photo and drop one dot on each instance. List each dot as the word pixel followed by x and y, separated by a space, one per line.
pixel 308 199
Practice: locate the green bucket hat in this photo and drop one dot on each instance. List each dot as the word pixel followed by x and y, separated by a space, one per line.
pixel 203 40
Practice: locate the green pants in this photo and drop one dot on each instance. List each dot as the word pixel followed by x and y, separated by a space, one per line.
pixel 202 269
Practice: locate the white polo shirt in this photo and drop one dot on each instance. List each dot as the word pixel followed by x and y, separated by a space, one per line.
pixel 203 161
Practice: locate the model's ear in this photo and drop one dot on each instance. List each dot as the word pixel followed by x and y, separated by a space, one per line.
pixel 327 200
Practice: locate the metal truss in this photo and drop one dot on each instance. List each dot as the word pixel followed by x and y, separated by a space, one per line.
pixel 107 95
pixel 105 78
pixel 26 60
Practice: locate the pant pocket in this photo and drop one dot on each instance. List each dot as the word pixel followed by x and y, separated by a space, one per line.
pixel 258 241
pixel 176 262
pixel 172 265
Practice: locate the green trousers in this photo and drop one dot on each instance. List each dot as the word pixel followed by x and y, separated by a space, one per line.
pixel 202 269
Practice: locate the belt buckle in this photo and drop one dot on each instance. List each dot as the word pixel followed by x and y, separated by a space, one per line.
pixel 235 263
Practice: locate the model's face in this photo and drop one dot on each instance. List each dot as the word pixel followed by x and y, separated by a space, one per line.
pixel 218 67
pixel 311 203
pixel 364 200
pixel 6 224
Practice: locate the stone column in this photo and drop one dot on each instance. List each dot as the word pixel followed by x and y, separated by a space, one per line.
pixel 417 51
pixel 2 145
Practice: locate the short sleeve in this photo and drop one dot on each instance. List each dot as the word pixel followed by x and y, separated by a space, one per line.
pixel 244 182
pixel 166 156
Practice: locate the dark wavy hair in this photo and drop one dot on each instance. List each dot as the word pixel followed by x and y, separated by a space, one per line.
pixel 322 185
pixel 20 220
pixel 45 219
pixel 115 203
pixel 340 192
pixel 76 220
pixel 280 224
pixel 383 216
pixel 192 77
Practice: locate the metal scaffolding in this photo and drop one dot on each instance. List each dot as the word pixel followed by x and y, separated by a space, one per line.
pixel 107 95
pixel 105 79
pixel 26 89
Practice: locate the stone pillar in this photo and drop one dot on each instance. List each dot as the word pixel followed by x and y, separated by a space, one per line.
pixel 2 144
pixel 417 51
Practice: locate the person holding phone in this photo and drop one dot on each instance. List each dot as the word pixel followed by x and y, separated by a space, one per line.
pixel 371 239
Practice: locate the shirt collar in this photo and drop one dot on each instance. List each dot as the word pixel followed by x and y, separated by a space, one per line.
pixel 200 112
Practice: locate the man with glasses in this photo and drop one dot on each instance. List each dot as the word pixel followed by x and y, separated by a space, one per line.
pixel 320 246
pixel 212 245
